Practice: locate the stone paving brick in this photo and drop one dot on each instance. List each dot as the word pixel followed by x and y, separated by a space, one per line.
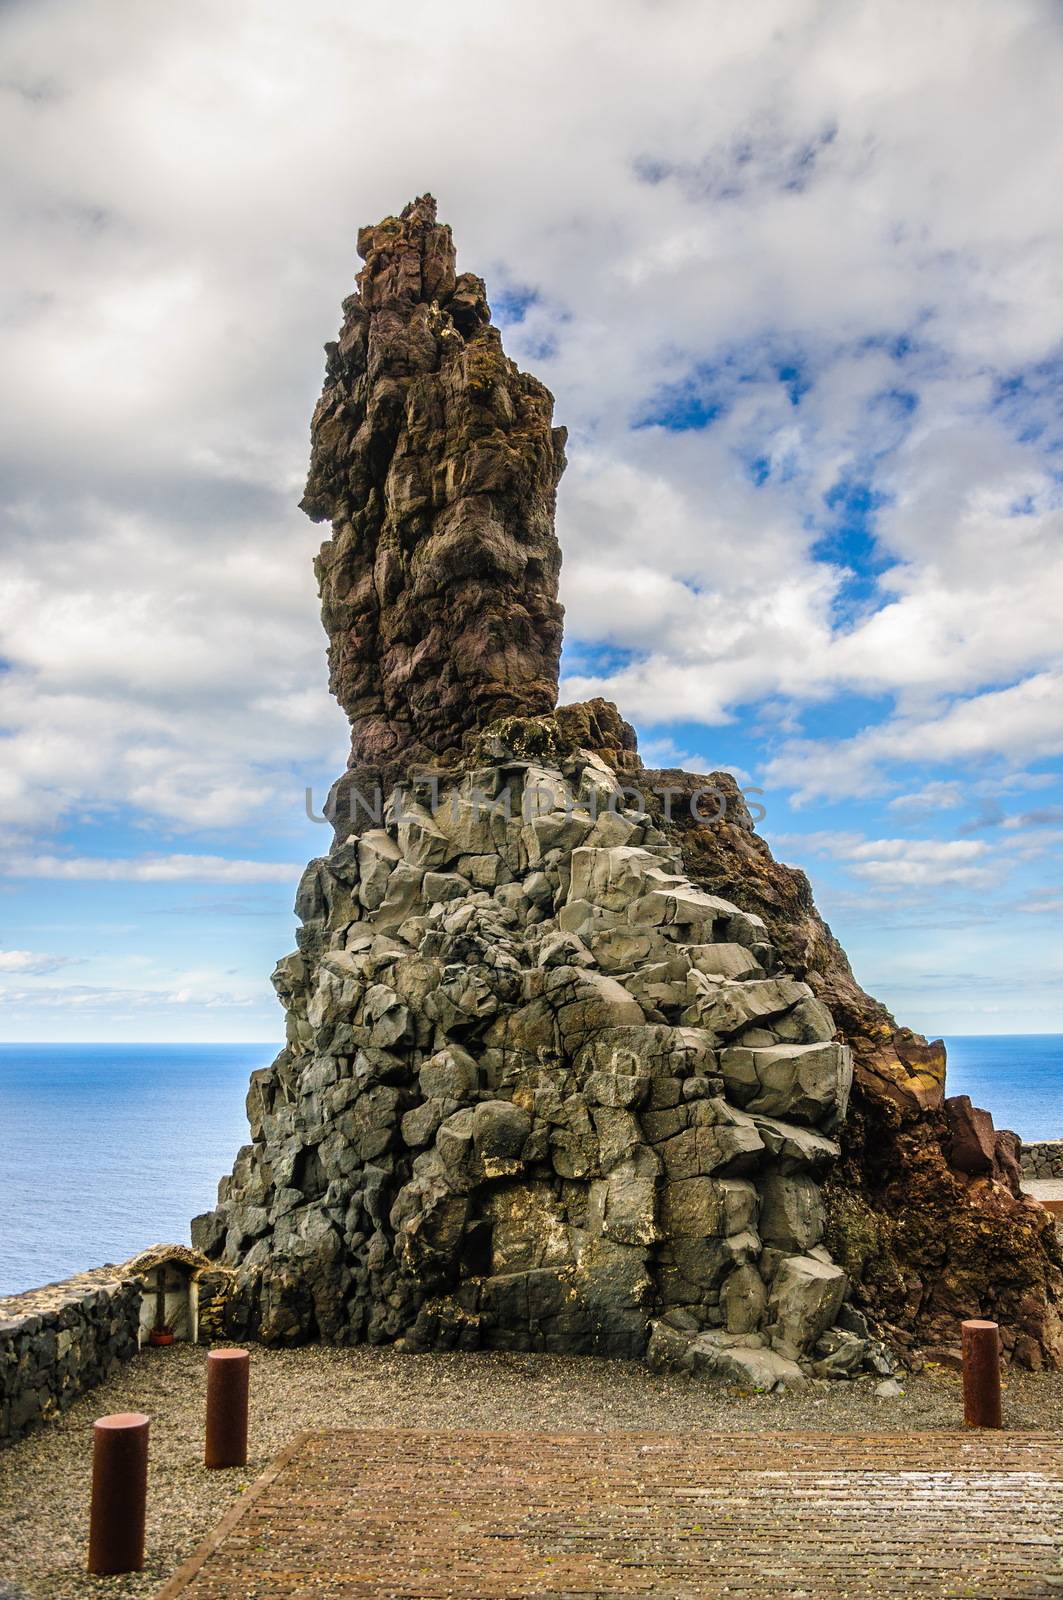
pixel 452 1516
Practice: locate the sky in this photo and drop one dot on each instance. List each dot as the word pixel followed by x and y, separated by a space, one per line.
pixel 793 272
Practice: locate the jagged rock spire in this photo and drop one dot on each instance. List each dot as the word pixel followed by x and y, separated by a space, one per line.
pixel 570 1079
pixel 437 464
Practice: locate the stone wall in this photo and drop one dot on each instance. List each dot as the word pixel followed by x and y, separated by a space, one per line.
pixel 1043 1159
pixel 60 1340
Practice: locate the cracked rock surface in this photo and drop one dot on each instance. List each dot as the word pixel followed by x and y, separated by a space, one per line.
pixel 437 462
pixel 559 1078
pixel 542 1092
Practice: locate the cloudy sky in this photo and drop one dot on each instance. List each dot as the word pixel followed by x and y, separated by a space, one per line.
pixel 793 271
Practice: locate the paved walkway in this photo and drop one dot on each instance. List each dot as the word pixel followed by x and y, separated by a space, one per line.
pixel 422 1516
pixel 1048 1190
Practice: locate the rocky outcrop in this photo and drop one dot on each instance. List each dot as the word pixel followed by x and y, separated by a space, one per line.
pixel 542 1092
pixel 924 1208
pixel 436 462
pixel 562 1074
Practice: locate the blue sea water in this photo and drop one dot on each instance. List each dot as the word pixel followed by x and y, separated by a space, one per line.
pixel 1018 1077
pixel 108 1148
pixel 105 1149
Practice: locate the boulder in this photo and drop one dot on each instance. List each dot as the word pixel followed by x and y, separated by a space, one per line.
pixel 378 855
pixel 613 878
pixel 746 1366
pixel 806 1083
pixel 724 961
pixel 796 1149
pixel 623 1205
pixel 726 1009
pixel 421 843
pixel 500 1131
pixel 972 1137
pixel 743 1300
pixel 806 1296
pixel 695 1208
pixel 792 1216
pixel 450 1074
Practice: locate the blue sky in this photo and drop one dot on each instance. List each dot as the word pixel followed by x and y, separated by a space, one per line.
pixel 792 274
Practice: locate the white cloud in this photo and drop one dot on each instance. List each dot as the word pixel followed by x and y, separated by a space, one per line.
pixel 1028 844
pixel 151 869
pixel 923 862
pixel 114 1000
pixel 703 199
pixel 142 674
pixel 905 863
pixel 1041 817
pixel 716 194
pixel 1023 722
pixel 1047 903
pixel 31 964
pixel 941 795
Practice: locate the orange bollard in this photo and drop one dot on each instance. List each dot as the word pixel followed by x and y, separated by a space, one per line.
pixel 227 1382
pixel 119 1493
pixel 981 1375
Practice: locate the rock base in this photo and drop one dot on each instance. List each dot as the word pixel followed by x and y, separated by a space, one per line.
pixel 540 1092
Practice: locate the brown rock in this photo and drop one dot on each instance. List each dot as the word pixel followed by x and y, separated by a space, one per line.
pixel 436 462
pixel 1007 1160
pixel 972 1138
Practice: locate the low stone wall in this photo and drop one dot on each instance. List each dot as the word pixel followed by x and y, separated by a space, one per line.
pixel 1043 1159
pixel 60 1340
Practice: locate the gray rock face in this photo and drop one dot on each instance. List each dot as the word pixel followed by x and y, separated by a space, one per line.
pixel 806 1296
pixel 539 1092
pixel 807 1082
pixel 791 1211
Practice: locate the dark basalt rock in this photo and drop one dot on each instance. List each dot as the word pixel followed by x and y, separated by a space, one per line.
pixel 928 1232
pixel 437 463
pixel 561 1074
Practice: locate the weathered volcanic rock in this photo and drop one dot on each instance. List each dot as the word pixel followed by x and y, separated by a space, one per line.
pixel 929 1229
pixel 521 1105
pixel 562 1074
pixel 436 462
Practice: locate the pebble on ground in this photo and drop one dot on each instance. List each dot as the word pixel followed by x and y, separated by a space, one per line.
pixel 44 1479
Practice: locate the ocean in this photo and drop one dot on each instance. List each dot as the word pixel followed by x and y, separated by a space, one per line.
pixel 1018 1077
pixel 106 1149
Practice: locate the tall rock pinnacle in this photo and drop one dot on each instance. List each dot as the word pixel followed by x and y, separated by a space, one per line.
pixel 437 464
pixel 571 1063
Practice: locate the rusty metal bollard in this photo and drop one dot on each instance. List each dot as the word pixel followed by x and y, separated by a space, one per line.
pixel 227 1382
pixel 981 1375
pixel 119 1493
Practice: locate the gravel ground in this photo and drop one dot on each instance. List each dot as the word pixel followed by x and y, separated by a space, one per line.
pixel 44 1480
